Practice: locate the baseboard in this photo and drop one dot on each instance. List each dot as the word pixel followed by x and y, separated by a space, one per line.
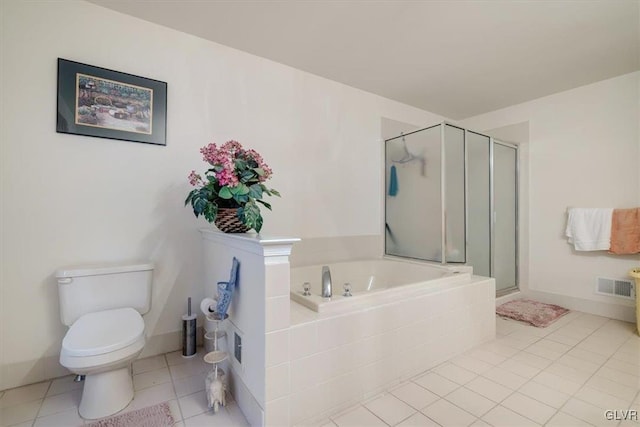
pixel 613 311
pixel 249 406
pixel 166 343
pixel 30 371
pixel 48 367
pixel 509 297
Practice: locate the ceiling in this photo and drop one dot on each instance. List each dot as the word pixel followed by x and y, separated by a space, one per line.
pixel 454 58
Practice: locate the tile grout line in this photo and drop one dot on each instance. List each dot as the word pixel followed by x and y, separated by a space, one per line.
pixel 557 410
pixel 573 395
pixel 173 386
pixel 464 386
pixel 445 398
pixel 367 409
pixel 357 406
pixel 602 365
pixel 513 391
pixel 42 403
pixel 584 384
pixel 458 406
pixel 407 417
pixel 636 397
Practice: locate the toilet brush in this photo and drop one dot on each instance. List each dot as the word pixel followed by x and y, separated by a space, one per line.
pixel 189 332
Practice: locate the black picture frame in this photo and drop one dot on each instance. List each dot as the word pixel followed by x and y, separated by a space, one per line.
pixel 96 101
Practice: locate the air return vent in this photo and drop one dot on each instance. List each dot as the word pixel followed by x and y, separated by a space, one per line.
pixel 615 287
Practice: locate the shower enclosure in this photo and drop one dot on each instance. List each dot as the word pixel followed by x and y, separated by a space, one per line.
pixel 452 197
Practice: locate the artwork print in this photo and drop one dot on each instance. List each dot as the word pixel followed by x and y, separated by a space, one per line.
pixel 95 101
pixel 113 105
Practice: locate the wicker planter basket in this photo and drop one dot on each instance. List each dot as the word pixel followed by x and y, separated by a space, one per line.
pixel 227 221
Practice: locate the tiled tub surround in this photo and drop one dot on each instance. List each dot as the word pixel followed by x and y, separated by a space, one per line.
pixel 300 366
pixel 336 359
pixel 373 282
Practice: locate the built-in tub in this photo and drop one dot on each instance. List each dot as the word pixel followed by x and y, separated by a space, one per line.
pixel 373 282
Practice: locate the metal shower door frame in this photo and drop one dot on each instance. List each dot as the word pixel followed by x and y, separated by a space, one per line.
pixel 443 198
pixel 517 215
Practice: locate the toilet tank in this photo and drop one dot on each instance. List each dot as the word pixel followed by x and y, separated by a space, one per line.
pixel 91 288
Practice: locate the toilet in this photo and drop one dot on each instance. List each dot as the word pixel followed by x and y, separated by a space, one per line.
pixel 103 307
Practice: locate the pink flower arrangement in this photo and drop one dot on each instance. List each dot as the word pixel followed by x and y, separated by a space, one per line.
pixel 223 159
pixel 194 178
pixel 235 180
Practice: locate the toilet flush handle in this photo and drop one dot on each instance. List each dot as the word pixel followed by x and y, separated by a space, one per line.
pixel 65 280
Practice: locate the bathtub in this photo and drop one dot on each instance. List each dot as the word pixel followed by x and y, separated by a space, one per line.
pixel 373 282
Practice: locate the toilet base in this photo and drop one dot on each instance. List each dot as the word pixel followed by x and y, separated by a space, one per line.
pixel 106 393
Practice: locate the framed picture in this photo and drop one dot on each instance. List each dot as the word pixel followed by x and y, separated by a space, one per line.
pixel 95 101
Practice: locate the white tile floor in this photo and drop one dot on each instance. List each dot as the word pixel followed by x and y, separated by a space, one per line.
pixel 568 374
pixel 166 378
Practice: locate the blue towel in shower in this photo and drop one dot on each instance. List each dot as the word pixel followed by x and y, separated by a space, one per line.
pixel 393 181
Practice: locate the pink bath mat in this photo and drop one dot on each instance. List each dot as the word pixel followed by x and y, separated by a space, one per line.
pixel 153 416
pixel 536 313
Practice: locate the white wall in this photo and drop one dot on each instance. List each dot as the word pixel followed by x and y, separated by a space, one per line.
pixel 583 151
pixel 70 199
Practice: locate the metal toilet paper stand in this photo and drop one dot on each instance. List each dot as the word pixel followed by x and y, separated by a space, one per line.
pixel 216 381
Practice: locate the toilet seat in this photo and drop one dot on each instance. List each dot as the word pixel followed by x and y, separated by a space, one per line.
pixel 103 332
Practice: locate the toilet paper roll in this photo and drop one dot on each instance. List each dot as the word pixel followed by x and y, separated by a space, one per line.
pixel 208 305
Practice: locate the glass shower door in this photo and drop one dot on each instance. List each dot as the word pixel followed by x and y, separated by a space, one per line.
pixel 413 208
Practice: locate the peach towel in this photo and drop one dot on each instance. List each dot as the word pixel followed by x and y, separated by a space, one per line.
pixel 625 231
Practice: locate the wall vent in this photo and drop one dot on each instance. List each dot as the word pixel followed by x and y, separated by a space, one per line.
pixel 622 288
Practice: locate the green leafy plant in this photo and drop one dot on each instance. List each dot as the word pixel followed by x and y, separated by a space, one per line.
pixel 235 180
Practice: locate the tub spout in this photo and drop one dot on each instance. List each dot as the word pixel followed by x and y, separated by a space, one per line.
pixel 326 282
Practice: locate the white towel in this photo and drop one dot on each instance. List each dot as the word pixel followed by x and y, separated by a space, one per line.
pixel 589 229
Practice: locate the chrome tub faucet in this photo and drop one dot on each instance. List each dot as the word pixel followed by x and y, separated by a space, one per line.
pixel 326 282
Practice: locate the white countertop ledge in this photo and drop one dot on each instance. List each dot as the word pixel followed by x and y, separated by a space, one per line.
pixel 252 242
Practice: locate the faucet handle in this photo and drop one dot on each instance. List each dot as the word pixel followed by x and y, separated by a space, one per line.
pixel 306 286
pixel 347 290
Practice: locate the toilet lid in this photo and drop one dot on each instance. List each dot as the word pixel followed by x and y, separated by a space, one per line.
pixel 103 332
